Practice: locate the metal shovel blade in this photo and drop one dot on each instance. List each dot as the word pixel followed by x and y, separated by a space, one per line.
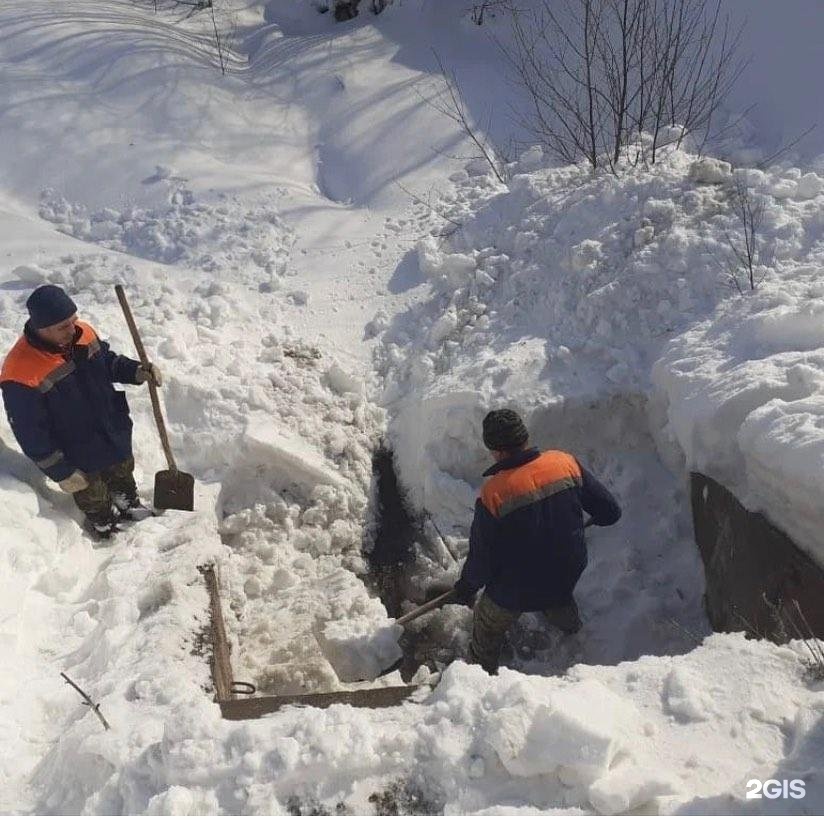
pixel 174 490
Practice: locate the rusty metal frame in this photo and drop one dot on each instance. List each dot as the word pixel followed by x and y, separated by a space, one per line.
pixel 234 708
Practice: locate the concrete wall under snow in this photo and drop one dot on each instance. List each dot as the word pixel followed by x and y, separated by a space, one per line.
pixel 754 572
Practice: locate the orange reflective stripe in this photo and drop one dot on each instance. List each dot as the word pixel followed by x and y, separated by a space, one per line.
pixel 509 490
pixel 28 365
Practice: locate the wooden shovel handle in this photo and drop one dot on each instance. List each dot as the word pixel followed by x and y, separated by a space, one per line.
pixel 141 352
pixel 441 600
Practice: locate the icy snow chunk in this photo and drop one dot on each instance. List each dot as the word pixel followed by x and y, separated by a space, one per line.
pixel 585 255
pixel 360 649
pixel 378 324
pixel 171 349
pixel 783 188
pixel 340 381
pixel 577 736
pixel 672 134
pixel 355 635
pixel 452 269
pixel 531 159
pixel 684 697
pixel 627 788
pixel 179 800
pixel 252 588
pixel 643 236
pixel 800 328
pixel 484 279
pixel 30 274
pixel 283 579
pixel 809 186
pixel 268 444
pixel 618 373
pixel 710 171
pixel 446 324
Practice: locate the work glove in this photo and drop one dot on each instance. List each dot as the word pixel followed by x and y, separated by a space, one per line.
pixel 464 594
pixel 74 483
pixel 150 372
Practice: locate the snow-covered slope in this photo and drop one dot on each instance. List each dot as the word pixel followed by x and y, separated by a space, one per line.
pixel 268 254
pixel 560 292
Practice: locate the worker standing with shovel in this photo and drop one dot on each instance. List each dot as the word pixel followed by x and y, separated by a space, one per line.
pixel 526 545
pixel 57 383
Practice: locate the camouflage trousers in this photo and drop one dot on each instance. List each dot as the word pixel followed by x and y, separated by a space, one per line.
pixel 491 622
pixel 97 499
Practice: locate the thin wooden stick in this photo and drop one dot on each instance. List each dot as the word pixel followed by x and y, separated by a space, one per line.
pixel 87 701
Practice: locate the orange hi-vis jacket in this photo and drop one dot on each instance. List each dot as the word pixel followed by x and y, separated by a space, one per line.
pixel 526 545
pixel 62 406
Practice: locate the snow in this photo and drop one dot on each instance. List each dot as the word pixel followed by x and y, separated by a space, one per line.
pixel 305 310
pixel 577 735
pixel 360 650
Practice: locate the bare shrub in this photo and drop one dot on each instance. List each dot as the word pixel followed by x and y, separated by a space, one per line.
pixel 450 102
pixel 744 245
pixel 479 10
pixel 791 623
pixel 214 7
pixel 616 80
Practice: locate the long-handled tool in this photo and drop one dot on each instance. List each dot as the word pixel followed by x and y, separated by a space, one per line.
pixel 174 489
pixel 443 599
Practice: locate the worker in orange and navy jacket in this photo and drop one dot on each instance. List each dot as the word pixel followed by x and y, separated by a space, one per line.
pixel 65 413
pixel 526 545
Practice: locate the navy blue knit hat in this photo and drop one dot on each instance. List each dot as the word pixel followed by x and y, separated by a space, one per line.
pixel 49 305
pixel 504 430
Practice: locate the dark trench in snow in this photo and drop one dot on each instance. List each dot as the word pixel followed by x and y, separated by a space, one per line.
pixel 392 562
pixel 395 534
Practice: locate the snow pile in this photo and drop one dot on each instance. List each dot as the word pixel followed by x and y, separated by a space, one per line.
pixel 237 236
pixel 743 392
pixel 560 289
pixel 598 739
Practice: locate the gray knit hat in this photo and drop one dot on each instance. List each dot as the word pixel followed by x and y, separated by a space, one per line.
pixel 504 430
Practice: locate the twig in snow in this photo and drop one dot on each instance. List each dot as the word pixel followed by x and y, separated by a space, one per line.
pixel 430 206
pixel 454 107
pixel 87 701
pixel 437 529
pixel 812 643
pixel 785 148
pixel 745 250
pixel 217 40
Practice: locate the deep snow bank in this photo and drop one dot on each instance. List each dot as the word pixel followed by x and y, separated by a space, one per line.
pixel 658 735
pixel 561 289
pixel 744 390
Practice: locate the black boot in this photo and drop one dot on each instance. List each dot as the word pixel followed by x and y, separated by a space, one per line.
pixel 101 526
pixel 565 617
pixel 131 507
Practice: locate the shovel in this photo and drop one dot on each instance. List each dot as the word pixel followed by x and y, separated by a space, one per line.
pixel 174 489
pixel 443 599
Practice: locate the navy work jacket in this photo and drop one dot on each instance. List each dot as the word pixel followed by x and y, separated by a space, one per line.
pixel 61 404
pixel 527 545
